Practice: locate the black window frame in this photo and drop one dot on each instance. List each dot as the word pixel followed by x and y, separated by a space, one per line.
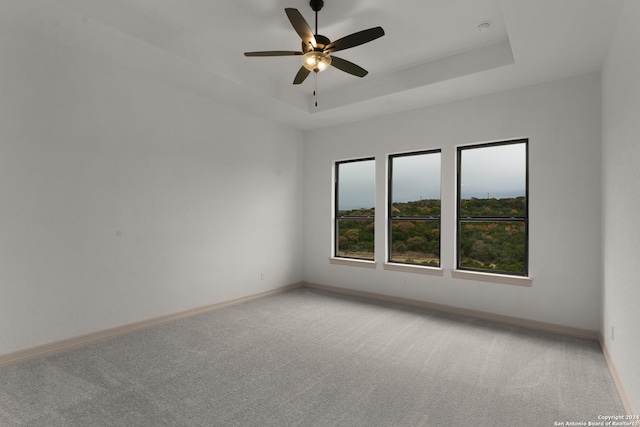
pixel 338 217
pixel 391 218
pixel 460 219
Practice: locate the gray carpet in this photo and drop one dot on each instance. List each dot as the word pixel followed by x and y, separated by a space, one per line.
pixel 309 358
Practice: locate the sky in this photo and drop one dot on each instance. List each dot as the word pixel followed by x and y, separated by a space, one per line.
pixel 416 177
pixel 496 171
pixel 356 182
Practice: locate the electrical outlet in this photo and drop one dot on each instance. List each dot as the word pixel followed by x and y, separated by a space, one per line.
pixel 612 333
pixel 261 276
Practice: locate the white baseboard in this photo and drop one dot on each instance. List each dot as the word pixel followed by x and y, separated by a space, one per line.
pixel 530 324
pixel 74 342
pixel 624 397
pixel 509 320
pixel 70 343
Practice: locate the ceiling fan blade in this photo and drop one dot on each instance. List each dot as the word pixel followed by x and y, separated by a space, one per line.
pixel 301 27
pixel 273 53
pixel 355 39
pixel 348 67
pixel 301 76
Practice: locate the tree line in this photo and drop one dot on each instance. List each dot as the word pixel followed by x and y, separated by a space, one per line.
pixel 485 244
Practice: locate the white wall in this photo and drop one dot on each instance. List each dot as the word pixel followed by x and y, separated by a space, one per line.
pixel 561 120
pixel 124 197
pixel 621 198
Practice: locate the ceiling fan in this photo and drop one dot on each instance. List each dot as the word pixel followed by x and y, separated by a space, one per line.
pixel 317 49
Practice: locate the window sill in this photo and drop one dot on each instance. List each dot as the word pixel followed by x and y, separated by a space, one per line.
pixel 392 266
pixel 353 262
pixel 493 278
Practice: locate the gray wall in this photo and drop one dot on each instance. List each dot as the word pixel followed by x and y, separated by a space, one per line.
pixel 125 196
pixel 621 199
pixel 561 120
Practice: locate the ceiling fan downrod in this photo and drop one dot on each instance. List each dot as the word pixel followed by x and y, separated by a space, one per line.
pixel 316 6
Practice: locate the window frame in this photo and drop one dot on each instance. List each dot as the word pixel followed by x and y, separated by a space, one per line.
pixel 460 219
pixel 337 217
pixel 391 218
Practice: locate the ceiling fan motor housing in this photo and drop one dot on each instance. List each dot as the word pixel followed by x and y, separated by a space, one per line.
pixel 321 42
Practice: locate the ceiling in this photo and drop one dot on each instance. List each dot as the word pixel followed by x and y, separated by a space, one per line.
pixel 432 51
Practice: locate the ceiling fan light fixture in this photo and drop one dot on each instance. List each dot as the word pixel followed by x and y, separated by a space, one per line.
pixel 316 61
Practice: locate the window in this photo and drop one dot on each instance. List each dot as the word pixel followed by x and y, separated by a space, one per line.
pixel 414 208
pixel 354 209
pixel 493 208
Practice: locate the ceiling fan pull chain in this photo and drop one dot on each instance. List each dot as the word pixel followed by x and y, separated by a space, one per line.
pixel 315 88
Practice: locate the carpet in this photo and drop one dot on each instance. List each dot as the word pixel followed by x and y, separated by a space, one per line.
pixel 311 358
